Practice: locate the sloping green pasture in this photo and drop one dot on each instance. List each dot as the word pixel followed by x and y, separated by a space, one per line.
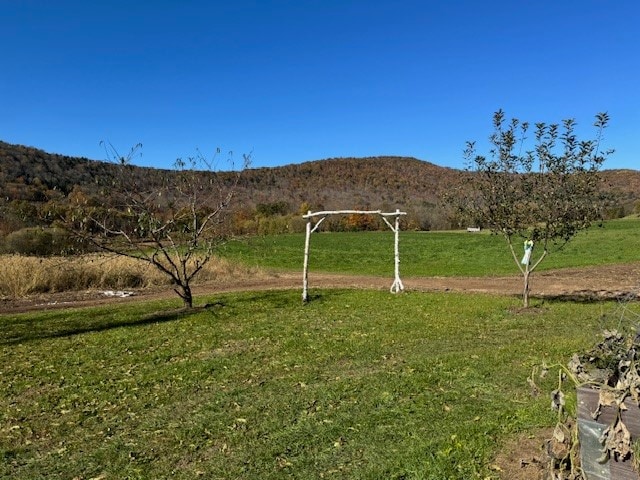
pixel 354 385
pixel 432 253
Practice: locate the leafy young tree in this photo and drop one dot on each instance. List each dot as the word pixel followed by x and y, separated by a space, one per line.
pixel 171 219
pixel 543 196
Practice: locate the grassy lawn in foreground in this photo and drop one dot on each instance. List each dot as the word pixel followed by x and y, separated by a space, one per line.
pixel 431 253
pixel 354 385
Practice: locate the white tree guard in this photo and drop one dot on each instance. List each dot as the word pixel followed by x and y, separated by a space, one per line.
pixel 397 285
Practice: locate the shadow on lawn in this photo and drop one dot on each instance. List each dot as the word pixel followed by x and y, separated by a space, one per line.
pixel 61 325
pixel 587 296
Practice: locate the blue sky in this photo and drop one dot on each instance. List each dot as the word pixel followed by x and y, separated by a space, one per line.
pixel 293 81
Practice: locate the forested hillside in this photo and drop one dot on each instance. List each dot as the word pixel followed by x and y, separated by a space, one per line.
pixel 383 183
pixel 268 200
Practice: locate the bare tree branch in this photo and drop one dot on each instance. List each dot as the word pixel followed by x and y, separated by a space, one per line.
pixel 174 226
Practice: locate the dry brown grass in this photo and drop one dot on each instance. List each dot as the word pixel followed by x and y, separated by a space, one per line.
pixel 21 276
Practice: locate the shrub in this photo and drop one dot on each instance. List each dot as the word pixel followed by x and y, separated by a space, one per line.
pixel 41 242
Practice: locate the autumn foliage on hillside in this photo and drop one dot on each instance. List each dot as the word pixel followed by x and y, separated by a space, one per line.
pixel 268 200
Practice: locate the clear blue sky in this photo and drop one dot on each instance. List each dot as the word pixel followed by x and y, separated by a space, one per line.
pixel 298 80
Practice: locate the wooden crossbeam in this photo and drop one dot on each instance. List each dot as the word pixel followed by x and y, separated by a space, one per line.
pixel 397 285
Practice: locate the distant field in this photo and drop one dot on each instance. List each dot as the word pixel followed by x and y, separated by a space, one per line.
pixel 432 253
pixel 355 385
pixel 366 253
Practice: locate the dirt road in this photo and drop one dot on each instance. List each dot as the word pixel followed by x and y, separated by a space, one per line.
pixel 603 282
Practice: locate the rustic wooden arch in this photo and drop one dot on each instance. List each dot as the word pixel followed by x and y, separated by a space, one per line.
pixel 397 285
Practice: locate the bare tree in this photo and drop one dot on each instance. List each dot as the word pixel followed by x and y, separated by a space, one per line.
pixel 171 219
pixel 543 196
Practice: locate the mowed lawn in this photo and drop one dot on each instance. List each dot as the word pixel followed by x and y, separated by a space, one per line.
pixel 433 253
pixel 354 385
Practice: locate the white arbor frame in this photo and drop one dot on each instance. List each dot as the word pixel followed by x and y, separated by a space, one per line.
pixel 397 285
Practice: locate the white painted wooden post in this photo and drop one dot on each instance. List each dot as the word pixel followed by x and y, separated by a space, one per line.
pixel 305 272
pixel 397 283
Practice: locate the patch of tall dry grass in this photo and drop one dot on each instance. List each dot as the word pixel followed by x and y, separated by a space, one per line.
pixel 21 276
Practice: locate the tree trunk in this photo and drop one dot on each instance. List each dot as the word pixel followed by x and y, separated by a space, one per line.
pixel 525 292
pixel 186 295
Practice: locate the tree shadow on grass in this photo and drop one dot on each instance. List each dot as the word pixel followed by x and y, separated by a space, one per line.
pixel 587 296
pixel 68 324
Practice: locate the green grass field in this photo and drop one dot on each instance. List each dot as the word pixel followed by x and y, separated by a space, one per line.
pixel 354 385
pixel 431 253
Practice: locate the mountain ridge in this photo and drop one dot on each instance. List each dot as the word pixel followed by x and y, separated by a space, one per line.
pixel 32 175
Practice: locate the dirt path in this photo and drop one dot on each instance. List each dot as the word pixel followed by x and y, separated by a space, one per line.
pixel 609 281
